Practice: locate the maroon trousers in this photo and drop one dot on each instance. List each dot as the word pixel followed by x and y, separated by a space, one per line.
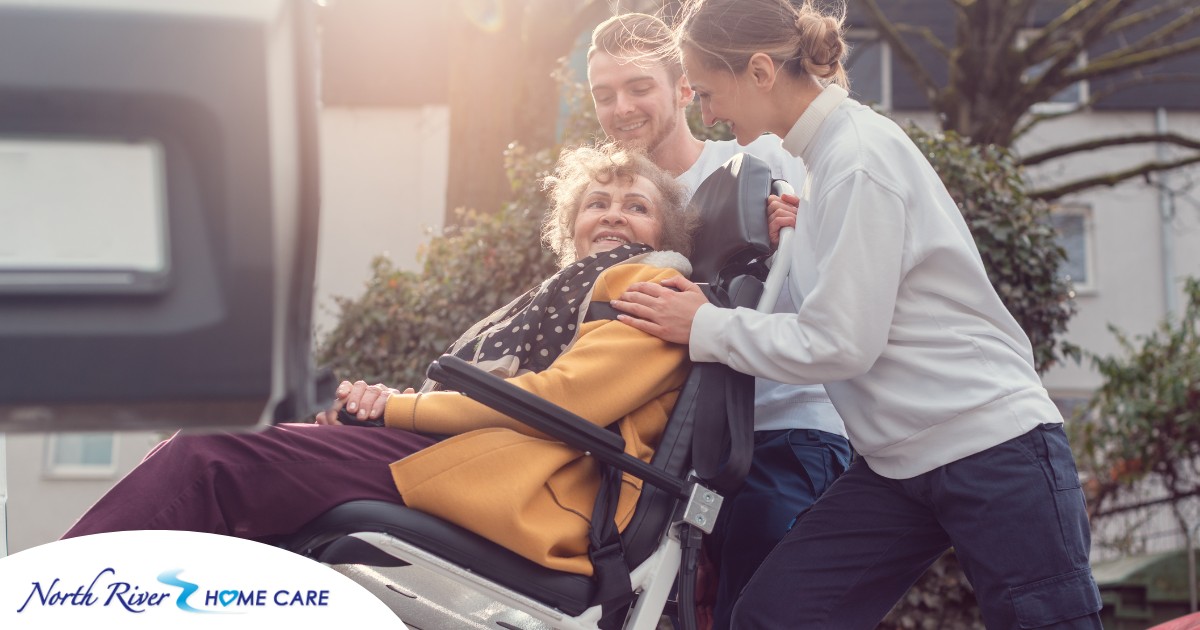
pixel 252 485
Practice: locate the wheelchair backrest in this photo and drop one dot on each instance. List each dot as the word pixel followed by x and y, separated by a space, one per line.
pixel 732 234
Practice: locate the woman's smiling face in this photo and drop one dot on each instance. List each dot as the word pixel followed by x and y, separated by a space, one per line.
pixel 724 96
pixel 617 213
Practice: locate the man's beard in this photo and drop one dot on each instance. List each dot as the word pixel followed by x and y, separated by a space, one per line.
pixel 653 143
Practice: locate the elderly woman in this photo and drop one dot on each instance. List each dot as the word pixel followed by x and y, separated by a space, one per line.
pixel 611 210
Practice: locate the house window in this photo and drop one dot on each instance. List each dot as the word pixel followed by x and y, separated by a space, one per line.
pixel 870 68
pixel 81 455
pixel 1073 222
pixel 1071 97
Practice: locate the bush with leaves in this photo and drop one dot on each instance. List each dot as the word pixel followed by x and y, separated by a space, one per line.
pixel 1145 417
pixel 403 320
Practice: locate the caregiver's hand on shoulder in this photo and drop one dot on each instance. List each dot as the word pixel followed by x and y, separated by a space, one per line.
pixel 664 310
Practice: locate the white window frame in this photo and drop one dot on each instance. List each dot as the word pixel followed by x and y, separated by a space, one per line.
pixel 1084 211
pixel 885 62
pixel 1057 107
pixel 68 471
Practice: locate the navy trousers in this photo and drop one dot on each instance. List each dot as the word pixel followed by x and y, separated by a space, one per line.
pixel 790 469
pixel 252 485
pixel 1014 514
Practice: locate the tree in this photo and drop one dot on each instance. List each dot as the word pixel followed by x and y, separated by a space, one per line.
pixel 502 89
pixel 996 71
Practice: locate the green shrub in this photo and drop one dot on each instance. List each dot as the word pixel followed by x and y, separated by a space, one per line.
pixel 404 320
pixel 1145 417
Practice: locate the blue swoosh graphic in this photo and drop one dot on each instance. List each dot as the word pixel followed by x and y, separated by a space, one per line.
pixel 172 578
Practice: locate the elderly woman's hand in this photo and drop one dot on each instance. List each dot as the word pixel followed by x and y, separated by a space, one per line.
pixel 781 213
pixel 366 402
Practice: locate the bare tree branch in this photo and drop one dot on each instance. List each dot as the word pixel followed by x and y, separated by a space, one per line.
pixel 1062 56
pixel 1145 15
pixel 1164 34
pixel 1080 17
pixel 1096 96
pixel 1111 179
pixel 926 34
pixel 909 58
pixel 1111 64
pixel 1100 513
pixel 1065 51
pixel 1033 120
pixel 1103 143
pixel 1013 23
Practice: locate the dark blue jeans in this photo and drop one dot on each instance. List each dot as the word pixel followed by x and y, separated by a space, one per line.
pixel 790 469
pixel 1014 514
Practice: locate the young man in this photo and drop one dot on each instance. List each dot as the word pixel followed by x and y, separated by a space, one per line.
pixel 800 446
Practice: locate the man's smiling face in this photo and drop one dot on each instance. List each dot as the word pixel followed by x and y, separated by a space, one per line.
pixel 637 104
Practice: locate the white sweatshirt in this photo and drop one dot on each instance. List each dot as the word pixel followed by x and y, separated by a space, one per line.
pixel 898 318
pixel 776 405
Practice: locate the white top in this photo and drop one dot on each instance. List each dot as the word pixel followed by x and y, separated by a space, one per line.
pixel 918 353
pixel 776 405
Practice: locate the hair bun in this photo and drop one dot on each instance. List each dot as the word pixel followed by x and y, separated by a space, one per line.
pixel 802 35
pixel 821 47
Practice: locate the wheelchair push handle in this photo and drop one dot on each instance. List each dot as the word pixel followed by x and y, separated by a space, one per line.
pixel 773 286
pixel 782 187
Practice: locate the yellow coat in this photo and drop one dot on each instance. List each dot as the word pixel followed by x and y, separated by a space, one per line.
pixel 508 483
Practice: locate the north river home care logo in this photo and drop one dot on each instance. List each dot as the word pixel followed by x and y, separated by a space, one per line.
pixel 108 590
pixel 179 580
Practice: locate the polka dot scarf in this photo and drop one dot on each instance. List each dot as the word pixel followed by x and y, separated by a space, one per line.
pixel 529 333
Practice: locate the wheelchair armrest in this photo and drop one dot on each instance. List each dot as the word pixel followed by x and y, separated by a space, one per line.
pixel 548 418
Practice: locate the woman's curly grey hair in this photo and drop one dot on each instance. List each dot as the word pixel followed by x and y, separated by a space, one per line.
pixel 576 168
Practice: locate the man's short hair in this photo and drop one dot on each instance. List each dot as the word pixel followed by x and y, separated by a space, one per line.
pixel 639 37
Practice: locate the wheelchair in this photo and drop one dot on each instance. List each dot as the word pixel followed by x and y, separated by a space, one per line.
pixel 434 574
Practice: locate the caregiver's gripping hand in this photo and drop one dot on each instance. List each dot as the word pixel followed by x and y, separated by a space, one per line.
pixel 664 310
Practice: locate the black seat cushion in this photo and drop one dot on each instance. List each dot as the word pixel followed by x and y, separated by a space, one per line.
pixel 568 592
